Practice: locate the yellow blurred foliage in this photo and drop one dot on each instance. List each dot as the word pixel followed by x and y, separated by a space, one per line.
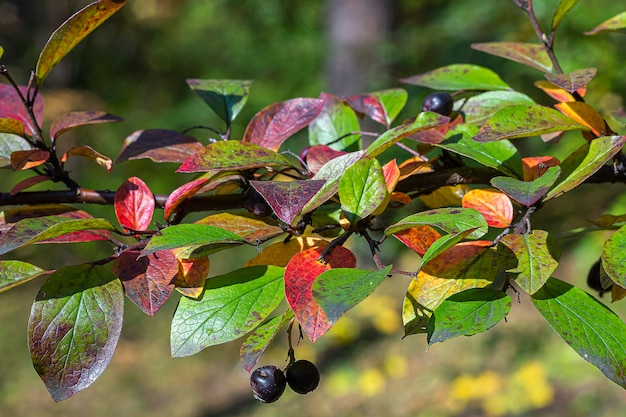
pixel 527 389
pixel 371 382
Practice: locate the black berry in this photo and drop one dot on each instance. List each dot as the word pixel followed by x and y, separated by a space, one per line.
pixel 303 376
pixel 255 203
pixel 594 280
pixel 268 383
pixel 439 103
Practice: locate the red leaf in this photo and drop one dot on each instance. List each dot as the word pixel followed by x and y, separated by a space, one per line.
pixel 134 204
pixel 286 198
pixel 27 183
pixel 275 123
pixel 392 174
pixel 11 106
pixel 181 194
pixel 148 279
pixel 318 155
pixel 72 120
pixel 82 235
pixel 369 105
pixel 300 274
pixel 159 145
pixel 21 160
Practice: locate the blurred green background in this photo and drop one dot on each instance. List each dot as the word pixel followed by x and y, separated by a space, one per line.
pixel 135 66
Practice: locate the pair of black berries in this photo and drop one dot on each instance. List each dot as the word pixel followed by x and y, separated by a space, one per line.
pixel 268 382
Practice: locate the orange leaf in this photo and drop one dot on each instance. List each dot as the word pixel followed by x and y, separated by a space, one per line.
pixel 300 274
pixel 391 172
pixel 181 194
pixel 535 166
pixel 280 253
pixel 553 91
pixel 192 274
pixel 418 238
pixel 495 206
pixel 21 160
pixel 584 114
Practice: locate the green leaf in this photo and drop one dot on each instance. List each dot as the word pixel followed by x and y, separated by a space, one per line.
pixel 614 257
pixel 467 313
pixel 617 23
pixel 337 120
pixel 585 161
pixel 10 143
pixel 232 305
pixel 425 120
pixel 587 325
pixel 501 155
pixel 459 77
pixel 71 32
pixel 521 121
pixel 537 256
pixel 527 192
pixel 561 10
pixel 480 107
pixel 35 229
pixel 331 171
pixel 449 219
pixel 260 338
pixel 339 289
pixel 197 240
pixel 14 273
pixel 393 101
pixel 232 155
pixel 74 326
pixel 443 243
pixel 530 54
pixel 225 97
pixel 362 189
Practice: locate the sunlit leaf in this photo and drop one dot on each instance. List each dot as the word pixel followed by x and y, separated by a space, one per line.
pixel 225 97
pixel 275 123
pixel 317 156
pixel 12 126
pixel 553 91
pixel 147 280
pixel 256 343
pixel 449 219
pixel 381 106
pixel 89 153
pixel 574 80
pixel 33 230
pixel 280 253
pixel 14 273
pixel 530 54
pixel 73 120
pixel 480 107
pixel 463 266
pixel 587 325
pixel 336 126
pixel 527 192
pixel 134 204
pixel 585 161
pixel 467 313
pixel 584 114
pixel 232 305
pixel 537 256
pixel 300 274
pixel 232 155
pixel 446 196
pixel 614 257
pixel 418 238
pixel 181 194
pixel 74 326
pixel 71 32
pixel 561 10
pixel 251 229
pixel 78 236
pixel 521 121
pixel 197 240
pixel 495 206
pixel 443 243
pixel 459 77
pixel 501 155
pixel 192 274
pixel 339 289
pixel 159 145
pixel 424 120
pixel 616 23
pixel 287 198
pixel 362 189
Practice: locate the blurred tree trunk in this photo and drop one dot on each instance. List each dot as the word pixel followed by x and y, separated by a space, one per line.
pixel 356 30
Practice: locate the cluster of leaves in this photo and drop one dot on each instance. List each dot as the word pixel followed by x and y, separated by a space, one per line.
pixel 473 232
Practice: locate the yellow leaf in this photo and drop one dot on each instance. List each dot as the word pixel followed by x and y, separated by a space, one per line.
pixel 584 114
pixel 280 253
